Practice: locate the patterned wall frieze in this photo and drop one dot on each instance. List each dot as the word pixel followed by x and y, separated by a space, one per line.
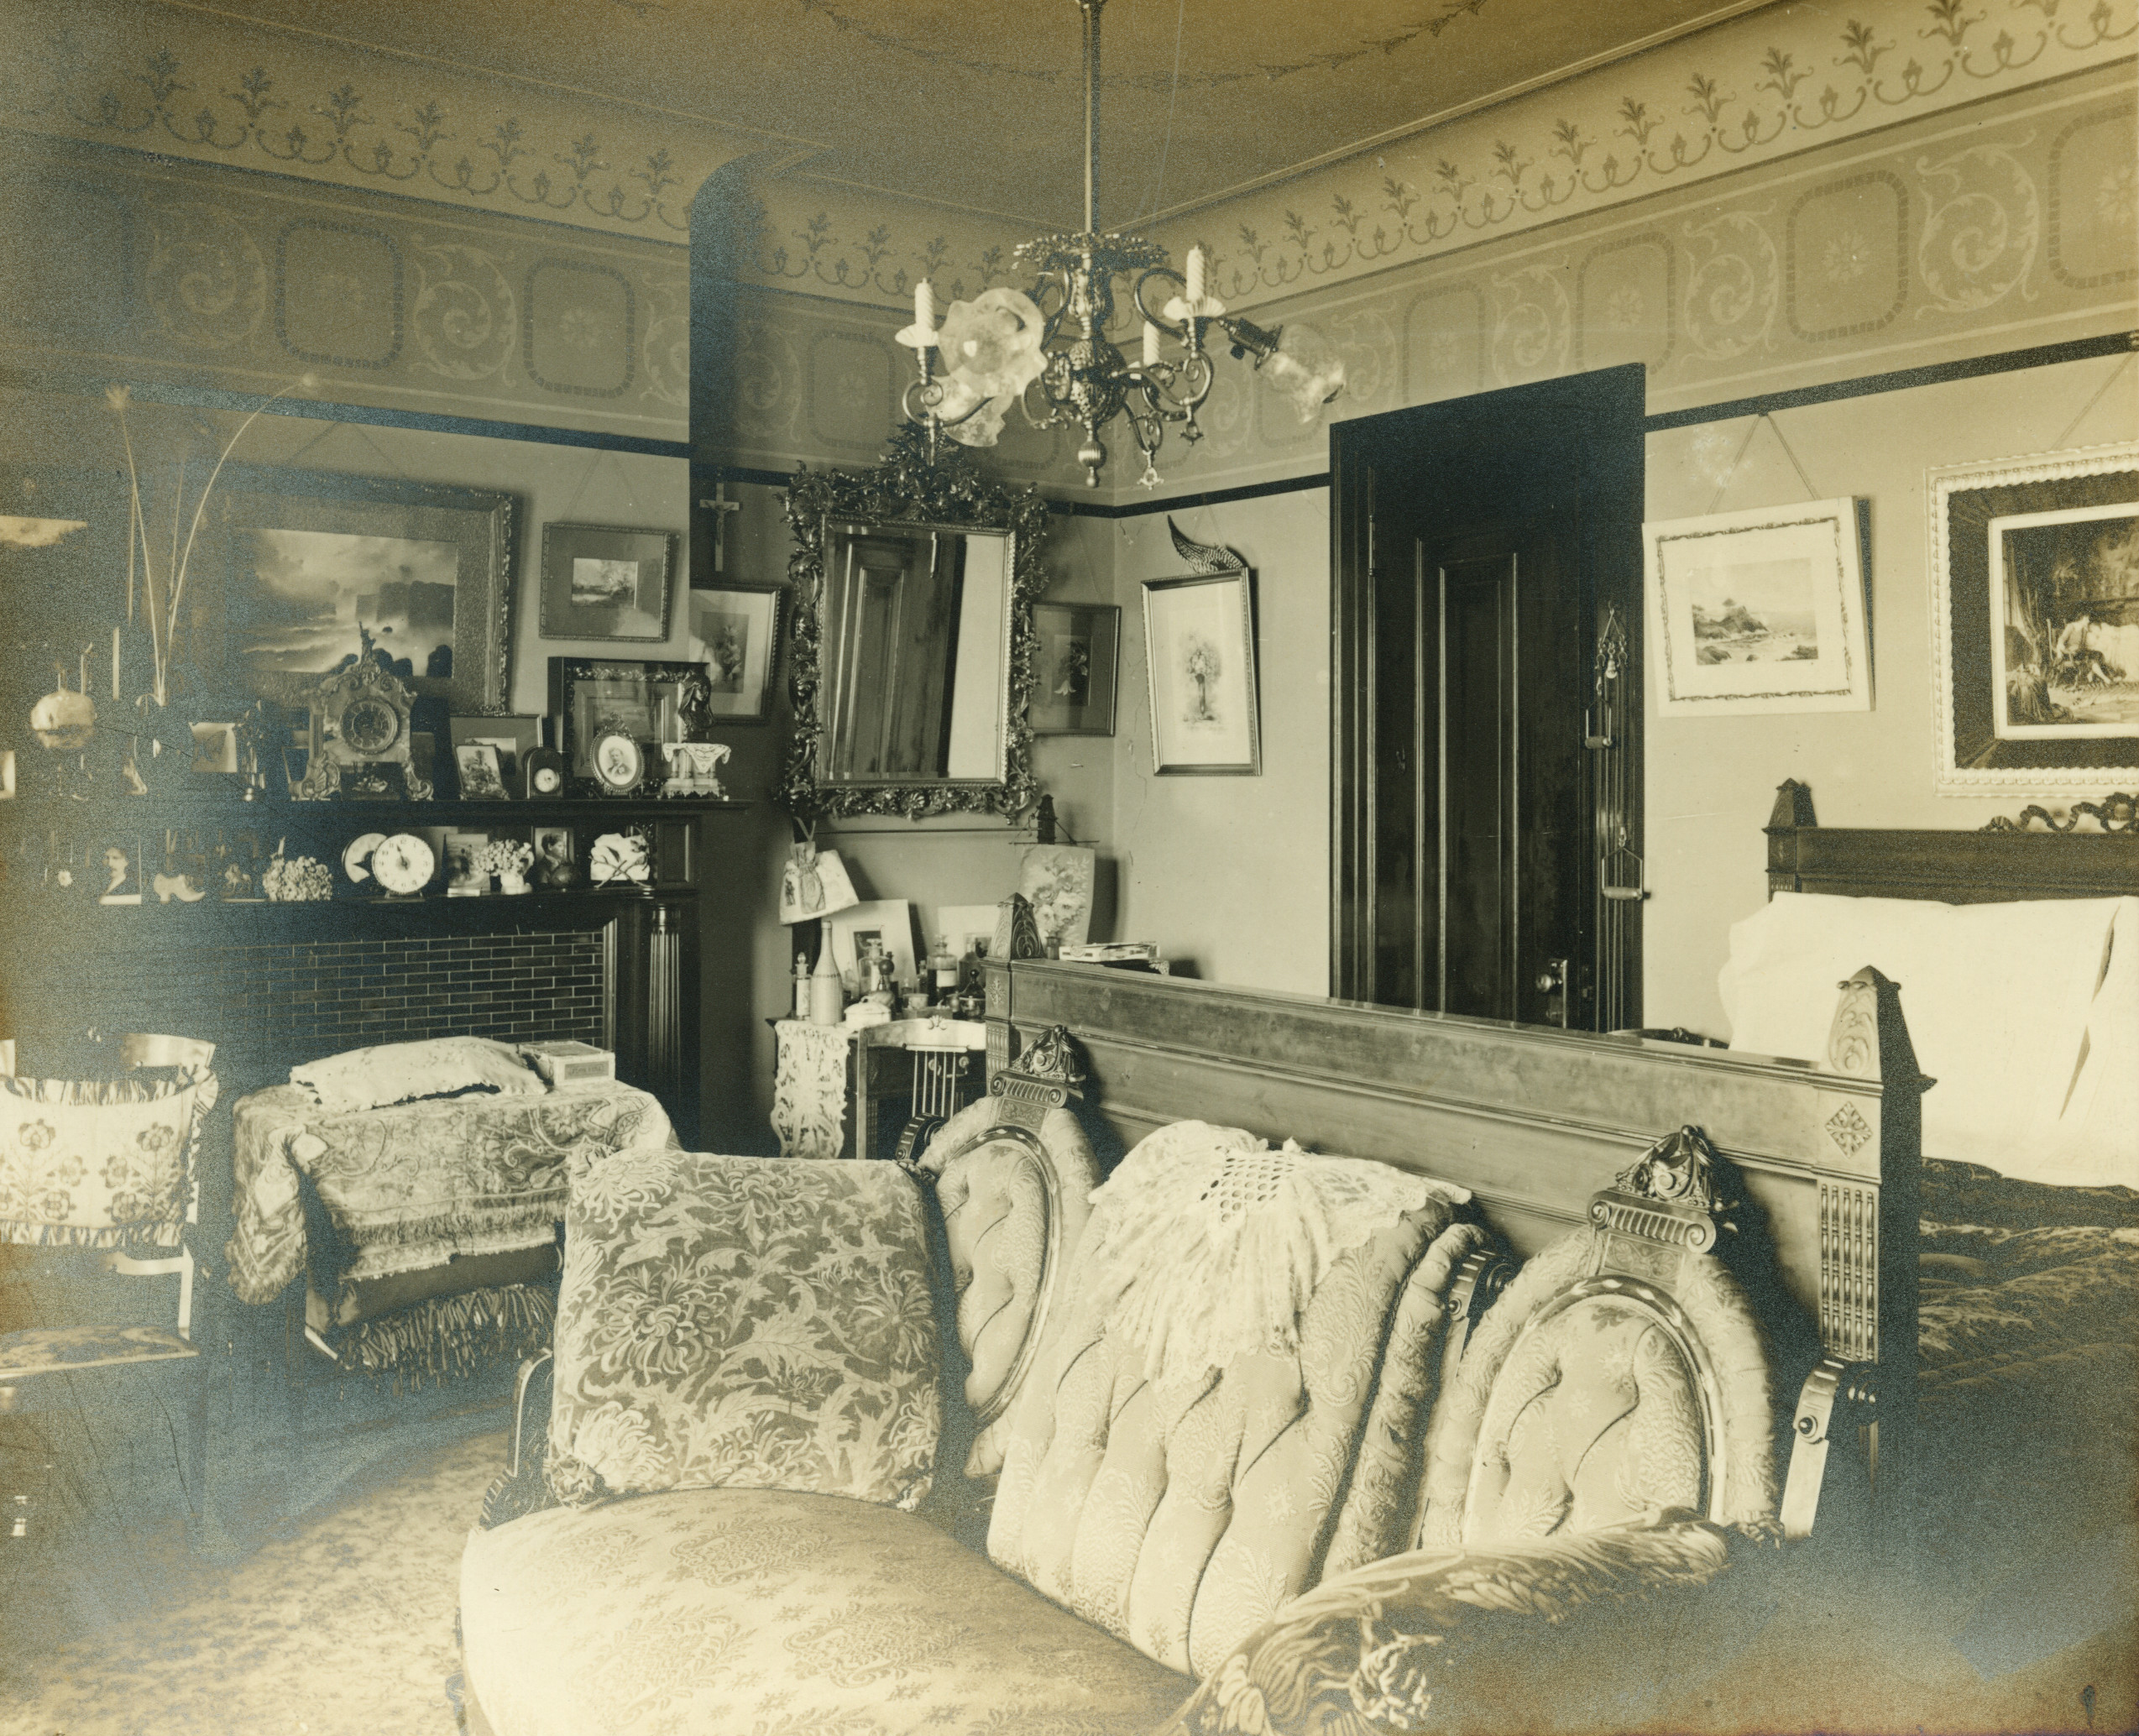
pixel 205 88
pixel 855 244
pixel 119 267
pixel 2010 226
pixel 1764 87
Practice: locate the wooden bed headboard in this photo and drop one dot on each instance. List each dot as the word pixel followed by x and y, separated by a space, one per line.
pixel 2004 862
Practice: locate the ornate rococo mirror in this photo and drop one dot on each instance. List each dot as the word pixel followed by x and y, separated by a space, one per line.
pixel 914 585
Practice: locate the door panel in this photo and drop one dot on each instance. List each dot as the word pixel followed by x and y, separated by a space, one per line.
pixel 1477 546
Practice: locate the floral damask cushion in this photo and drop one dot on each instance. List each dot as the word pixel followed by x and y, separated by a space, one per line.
pixel 99 1162
pixel 764 1322
pixel 402 1072
pixel 1456 1639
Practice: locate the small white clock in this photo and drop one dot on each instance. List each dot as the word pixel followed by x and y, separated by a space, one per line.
pixel 356 860
pixel 403 864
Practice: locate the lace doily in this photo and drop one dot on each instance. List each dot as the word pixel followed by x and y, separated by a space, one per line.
pixel 809 1089
pixel 1206 1243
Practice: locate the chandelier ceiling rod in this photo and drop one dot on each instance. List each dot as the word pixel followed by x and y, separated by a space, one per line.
pixel 1092 10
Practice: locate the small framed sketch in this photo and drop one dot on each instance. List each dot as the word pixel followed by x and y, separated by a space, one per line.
pixel 215 751
pixel 2035 574
pixel 1760 611
pixel 606 581
pixel 736 629
pixel 1080 646
pixel 1199 658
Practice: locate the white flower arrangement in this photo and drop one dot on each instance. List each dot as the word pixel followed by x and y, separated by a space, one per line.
pixel 503 856
pixel 296 880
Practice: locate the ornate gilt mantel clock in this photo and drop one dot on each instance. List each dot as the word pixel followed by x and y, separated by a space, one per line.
pixel 360 738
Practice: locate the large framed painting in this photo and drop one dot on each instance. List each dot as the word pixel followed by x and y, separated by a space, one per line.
pixel 1199 635
pixel 324 567
pixel 1759 611
pixel 2036 583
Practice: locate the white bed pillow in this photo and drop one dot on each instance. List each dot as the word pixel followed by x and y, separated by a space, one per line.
pixel 360 1079
pixel 2026 1013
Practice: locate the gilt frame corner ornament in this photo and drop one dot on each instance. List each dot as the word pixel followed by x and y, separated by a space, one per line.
pixel 2035 622
pixel 908 487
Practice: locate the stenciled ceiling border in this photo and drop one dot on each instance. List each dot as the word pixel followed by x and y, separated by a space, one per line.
pixel 206 89
pixel 1759 88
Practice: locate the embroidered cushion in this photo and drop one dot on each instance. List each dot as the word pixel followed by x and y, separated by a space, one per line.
pixel 401 1071
pixel 99 1162
pixel 1470 1639
pixel 761 1322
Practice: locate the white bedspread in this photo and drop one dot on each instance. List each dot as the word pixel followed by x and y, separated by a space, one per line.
pixel 2027 1014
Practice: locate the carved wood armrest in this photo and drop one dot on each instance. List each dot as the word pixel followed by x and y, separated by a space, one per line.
pixel 524 1489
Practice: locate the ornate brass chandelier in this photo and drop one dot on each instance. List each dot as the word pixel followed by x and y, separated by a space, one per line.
pixel 993 349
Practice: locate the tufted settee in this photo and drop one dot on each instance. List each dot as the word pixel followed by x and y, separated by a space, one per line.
pixel 1239 1446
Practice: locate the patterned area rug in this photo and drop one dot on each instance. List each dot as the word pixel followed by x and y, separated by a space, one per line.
pixel 343 1627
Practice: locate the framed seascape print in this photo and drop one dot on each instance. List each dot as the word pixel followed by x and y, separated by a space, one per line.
pixel 606 581
pixel 323 569
pixel 1079 647
pixel 736 629
pixel 1759 611
pixel 2036 581
pixel 1199 637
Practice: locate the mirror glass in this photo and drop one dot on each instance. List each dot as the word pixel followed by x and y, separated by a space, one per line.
pixel 913 647
pixel 914 684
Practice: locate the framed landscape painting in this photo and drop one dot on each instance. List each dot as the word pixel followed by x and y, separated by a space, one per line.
pixel 1199 660
pixel 323 569
pixel 606 581
pixel 2036 581
pixel 1759 611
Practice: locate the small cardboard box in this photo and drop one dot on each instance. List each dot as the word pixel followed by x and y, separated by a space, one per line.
pixel 571 1066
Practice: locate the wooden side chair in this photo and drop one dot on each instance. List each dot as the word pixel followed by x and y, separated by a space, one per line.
pixel 105 1171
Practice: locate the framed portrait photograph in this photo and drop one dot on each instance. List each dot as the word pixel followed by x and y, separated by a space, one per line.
pixel 1077 647
pixel 1200 659
pixel 112 868
pixel 483 779
pixel 736 629
pixel 606 581
pixel 601 705
pixel 2036 580
pixel 322 567
pixel 557 858
pixel 1759 611
pixel 512 736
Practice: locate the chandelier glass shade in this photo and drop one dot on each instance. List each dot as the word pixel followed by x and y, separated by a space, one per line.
pixel 990 352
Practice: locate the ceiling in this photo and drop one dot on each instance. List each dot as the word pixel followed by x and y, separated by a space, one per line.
pixel 978 104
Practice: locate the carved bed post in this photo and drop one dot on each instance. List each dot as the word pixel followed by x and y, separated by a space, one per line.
pixel 1864 1388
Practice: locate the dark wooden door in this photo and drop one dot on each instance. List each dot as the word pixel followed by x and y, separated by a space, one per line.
pixel 1487 831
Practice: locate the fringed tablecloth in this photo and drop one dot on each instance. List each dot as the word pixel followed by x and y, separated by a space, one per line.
pixel 809 1088
pixel 409 1187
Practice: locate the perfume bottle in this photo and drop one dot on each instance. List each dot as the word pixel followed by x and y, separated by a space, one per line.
pixel 802 986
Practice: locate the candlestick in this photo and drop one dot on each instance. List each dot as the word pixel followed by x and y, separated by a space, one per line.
pixel 1150 344
pixel 1195 274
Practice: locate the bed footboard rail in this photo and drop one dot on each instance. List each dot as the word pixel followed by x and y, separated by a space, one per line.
pixel 1535 1122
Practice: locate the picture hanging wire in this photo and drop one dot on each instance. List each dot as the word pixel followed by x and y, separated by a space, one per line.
pixel 2114 376
pixel 1745 445
pixel 587 475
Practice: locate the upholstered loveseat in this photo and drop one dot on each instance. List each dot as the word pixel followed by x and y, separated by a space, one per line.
pixel 1248 1450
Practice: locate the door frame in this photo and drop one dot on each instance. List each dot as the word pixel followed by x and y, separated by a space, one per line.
pixel 1612 403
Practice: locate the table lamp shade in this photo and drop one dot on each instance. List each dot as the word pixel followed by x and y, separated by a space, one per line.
pixel 814 883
